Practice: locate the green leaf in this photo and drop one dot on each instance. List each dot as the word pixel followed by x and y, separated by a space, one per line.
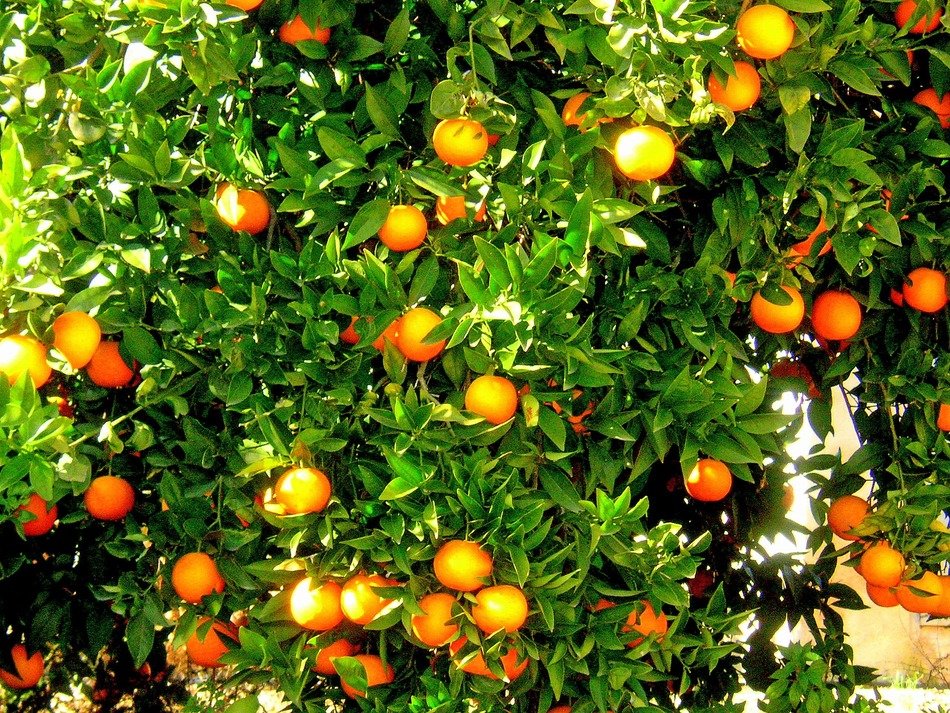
pixel 142 345
pixel 366 223
pixel 397 34
pixel 140 637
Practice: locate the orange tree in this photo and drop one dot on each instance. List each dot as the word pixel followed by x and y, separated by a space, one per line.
pixel 304 229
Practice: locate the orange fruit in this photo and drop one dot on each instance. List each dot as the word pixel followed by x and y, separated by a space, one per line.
pixel 492 397
pixel 882 596
pixel 316 606
pixel 29 669
pixel 709 480
pixel 349 335
pixel 208 650
pixel 414 325
pixel 377 674
pixel 943 417
pixel 462 565
pixel 942 609
pixel 836 315
pixel 477 666
pixel 882 565
pixel 938 105
pixel 390 334
pixel 109 498
pixel 296 30
pixel 765 31
pixel 778 319
pixel 460 142
pixel 560 709
pixel 360 602
pixel 242 209
pixel 920 603
pixel 196 575
pixel 245 4
pixel 435 627
pixel 22 354
pixel 76 335
pixel 500 607
pixel 449 208
pixel 845 514
pixel 569 112
pixel 325 656
pixel 644 153
pixel 302 490
pixel 804 247
pixel 43 516
pixel 905 11
pixel 107 368
pixel 405 228
pixel 645 622
pixel 925 289
pixel 742 89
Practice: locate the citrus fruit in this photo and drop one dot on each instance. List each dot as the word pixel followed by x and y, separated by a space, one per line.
pixel 644 153
pixel 476 664
pixel 882 596
pixel 360 601
pixel 709 480
pixel 924 603
pixel 435 627
pixel 775 318
pixel 882 565
pixel 390 334
pixel 109 498
pixel 208 650
pixel 242 209
pixel 500 607
pixel 905 10
pixel 492 397
pixel 560 709
pixel 449 208
pixel 106 368
pixel 462 565
pixel 846 513
pixel 925 289
pixel 645 622
pixel 349 335
pixel 943 417
pixel 196 575
pixel 76 336
pixel 414 325
pixel 938 105
pixel 377 674
pixel 804 247
pixel 569 113
pixel 460 142
pixel 325 656
pixel 28 669
pixel 316 606
pixel 765 31
pixel 21 354
pixel 43 516
pixel 742 89
pixel 836 315
pixel 405 228
pixel 245 4
pixel 302 490
pixel 296 30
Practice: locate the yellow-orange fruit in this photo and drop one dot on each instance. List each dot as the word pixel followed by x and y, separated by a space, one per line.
pixel 107 368
pixel 413 327
pixel 195 575
pixel 242 209
pixel 846 513
pixel 76 336
pixel 775 318
pixel 44 516
pixel 492 397
pixel 882 565
pixel 460 142
pixel 377 674
pixel 710 480
pixel 742 89
pixel 217 642
pixel 296 30
pixel 644 153
pixel 435 627
pixel 500 607
pixel 938 105
pixel 905 11
pixel 765 31
pixel 405 228
pixel 109 498
pixel 926 603
pixel 316 606
pixel 836 315
pixel 326 655
pixel 21 354
pixel 462 565
pixel 303 490
pixel 28 669
pixel 645 622
pixel 925 289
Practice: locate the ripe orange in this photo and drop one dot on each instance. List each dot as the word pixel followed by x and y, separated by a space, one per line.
pixel 107 368
pixel 390 334
pixel 492 397
pixel 109 498
pixel 645 622
pixel 20 353
pixel 943 417
pixel 462 565
pixel 938 105
pixel 208 650
pixel 325 656
pixel 245 4
pixel 920 603
pixel 846 513
pixel 360 602
pixel 477 666
pixel 242 209
pixel 569 113
pixel 942 609
pixel 925 289
pixel 765 31
pixel 882 596
pixel 43 516
pixel 377 674
pixel 644 153
pixel 778 319
pixel 76 335
pixel 460 142
pixel 405 228
pixel 882 565
pixel 435 627
pixel 709 480
pixel 29 669
pixel 196 575
pixel 316 606
pixel 836 315
pixel 302 490
pixel 414 325
pixel 349 335
pixel 500 607
pixel 560 709
pixel 449 208
pixel 741 91
pixel 804 247
pixel 905 11
pixel 296 30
